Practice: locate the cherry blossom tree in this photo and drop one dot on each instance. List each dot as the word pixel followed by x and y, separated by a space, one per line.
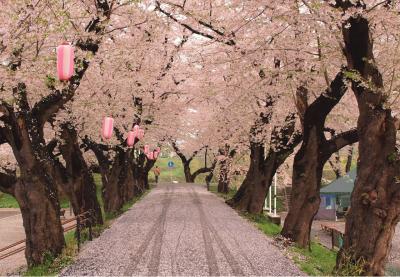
pixel 34 100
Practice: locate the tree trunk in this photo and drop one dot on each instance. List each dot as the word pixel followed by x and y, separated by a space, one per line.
pixel 254 189
pixel 40 211
pixel 309 162
pixel 375 201
pixel 223 178
pixel 186 170
pixel 40 214
pixel 81 187
pixel 305 200
pixel 251 194
pixel 129 190
pixel 139 181
pixel 35 191
pixel 112 195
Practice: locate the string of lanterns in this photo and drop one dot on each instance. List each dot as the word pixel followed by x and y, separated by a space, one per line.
pixel 65 70
pixel 152 155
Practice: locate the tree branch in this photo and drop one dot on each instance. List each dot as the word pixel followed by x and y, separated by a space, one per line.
pixel 196 152
pixel 178 152
pixel 52 103
pixel 119 135
pixel 229 42
pixel 318 110
pixel 204 169
pixel 341 140
pixel 98 150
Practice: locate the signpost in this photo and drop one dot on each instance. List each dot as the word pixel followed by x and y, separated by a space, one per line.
pixel 171 166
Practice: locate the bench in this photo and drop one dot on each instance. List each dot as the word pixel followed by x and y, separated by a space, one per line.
pixel 336 235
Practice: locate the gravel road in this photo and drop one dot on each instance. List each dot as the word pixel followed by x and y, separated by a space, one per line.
pixel 181 229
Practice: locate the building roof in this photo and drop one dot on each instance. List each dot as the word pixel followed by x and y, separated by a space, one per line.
pixel 343 184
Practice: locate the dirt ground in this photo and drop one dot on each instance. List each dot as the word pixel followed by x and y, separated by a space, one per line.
pixel 11 231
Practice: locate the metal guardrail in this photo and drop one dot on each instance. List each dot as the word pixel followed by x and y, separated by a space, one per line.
pixel 81 221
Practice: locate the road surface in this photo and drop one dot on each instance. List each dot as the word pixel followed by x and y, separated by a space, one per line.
pixel 181 229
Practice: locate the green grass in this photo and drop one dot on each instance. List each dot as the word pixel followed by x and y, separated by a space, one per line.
pixel 320 261
pixel 229 195
pixel 8 201
pixel 264 224
pixel 52 266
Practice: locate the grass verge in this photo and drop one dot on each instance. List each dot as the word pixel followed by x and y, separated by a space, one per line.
pixel 319 261
pixel 225 196
pixel 52 266
pixel 8 201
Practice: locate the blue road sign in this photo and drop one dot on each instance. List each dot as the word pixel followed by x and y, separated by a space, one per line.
pixel 171 164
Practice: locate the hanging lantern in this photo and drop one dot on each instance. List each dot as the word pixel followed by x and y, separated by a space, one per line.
pixel 150 156
pixel 136 128
pixel 146 149
pixel 107 129
pixel 65 61
pixel 131 138
pixel 155 154
pixel 140 134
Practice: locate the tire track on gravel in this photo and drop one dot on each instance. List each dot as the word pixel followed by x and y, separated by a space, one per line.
pixel 238 246
pixel 155 230
pixel 237 271
pixel 212 263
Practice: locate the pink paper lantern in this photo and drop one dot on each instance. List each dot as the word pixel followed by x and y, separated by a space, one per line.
pixel 107 129
pixel 131 138
pixel 136 128
pixel 146 149
pixel 140 134
pixel 65 62
pixel 155 154
pixel 150 156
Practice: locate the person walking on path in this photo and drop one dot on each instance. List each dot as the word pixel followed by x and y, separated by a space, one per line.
pixel 157 172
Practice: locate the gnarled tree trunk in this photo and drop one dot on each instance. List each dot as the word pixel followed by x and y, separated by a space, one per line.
pixel 309 162
pixel 189 176
pixel 112 194
pixel 187 171
pixel 375 201
pixel 254 189
pixel 35 190
pixel 81 188
pixel 40 211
